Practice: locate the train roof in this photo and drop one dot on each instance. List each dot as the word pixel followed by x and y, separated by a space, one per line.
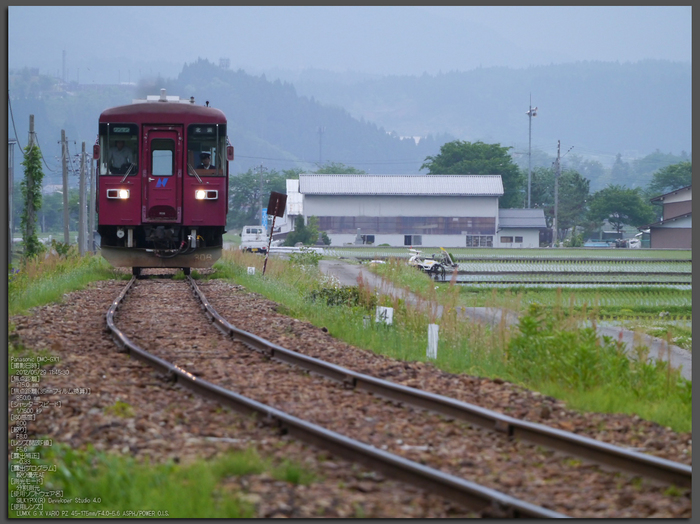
pixel 163 109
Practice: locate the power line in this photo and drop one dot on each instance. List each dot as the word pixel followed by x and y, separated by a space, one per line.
pixel 72 168
pixel 42 154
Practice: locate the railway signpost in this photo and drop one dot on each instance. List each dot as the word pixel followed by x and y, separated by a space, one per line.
pixel 275 207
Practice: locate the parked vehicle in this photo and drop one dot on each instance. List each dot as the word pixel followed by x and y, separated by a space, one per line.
pixel 254 239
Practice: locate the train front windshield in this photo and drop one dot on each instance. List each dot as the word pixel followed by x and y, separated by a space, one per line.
pixel 119 149
pixel 206 149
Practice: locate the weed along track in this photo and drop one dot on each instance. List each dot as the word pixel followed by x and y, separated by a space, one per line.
pixel 480 459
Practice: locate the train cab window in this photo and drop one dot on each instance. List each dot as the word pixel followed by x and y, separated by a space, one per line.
pixel 206 150
pixel 119 149
pixel 162 156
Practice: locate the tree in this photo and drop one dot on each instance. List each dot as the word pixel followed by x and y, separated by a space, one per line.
pixel 336 168
pixel 669 178
pixel 620 206
pixel 621 171
pixel 307 234
pixel 644 168
pixel 31 192
pixel 244 195
pixel 478 158
pixel 573 195
pixel 587 168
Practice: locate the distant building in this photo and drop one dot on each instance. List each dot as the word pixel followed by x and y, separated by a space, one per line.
pixel 413 210
pixel 674 230
pixel 520 227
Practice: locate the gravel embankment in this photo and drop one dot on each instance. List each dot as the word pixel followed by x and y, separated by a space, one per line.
pixel 169 423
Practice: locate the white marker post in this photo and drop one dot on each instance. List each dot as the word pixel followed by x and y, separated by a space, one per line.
pixel 432 341
pixel 385 315
pixel 251 270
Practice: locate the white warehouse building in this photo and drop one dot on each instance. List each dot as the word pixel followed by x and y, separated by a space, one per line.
pixel 413 210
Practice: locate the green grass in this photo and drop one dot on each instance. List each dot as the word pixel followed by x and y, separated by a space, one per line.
pixel 233 236
pixel 557 358
pixel 46 279
pixel 118 483
pixel 110 483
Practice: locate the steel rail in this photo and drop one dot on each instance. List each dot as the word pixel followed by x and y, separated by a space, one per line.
pixel 602 453
pixel 469 494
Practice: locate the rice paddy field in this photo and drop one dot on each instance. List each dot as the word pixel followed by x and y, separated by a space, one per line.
pixel 461 254
pixel 644 290
pixel 576 268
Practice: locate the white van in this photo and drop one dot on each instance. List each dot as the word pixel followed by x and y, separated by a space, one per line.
pixel 254 239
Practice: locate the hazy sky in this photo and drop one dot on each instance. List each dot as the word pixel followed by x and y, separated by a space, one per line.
pixel 110 44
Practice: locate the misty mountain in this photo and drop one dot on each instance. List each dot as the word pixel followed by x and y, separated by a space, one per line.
pixel 269 123
pixel 601 108
pixel 632 115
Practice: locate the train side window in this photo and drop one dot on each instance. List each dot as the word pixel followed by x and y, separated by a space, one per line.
pixel 162 155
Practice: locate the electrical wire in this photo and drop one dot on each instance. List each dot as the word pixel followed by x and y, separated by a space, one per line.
pixel 42 154
pixel 70 158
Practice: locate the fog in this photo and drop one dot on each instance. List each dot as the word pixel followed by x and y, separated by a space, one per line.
pixel 124 44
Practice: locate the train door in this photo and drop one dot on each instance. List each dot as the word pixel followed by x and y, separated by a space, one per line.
pixel 162 200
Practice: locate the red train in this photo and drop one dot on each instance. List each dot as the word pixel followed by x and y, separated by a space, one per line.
pixel 162 181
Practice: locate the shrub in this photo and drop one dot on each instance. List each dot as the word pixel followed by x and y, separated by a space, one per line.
pixel 343 296
pixel 305 257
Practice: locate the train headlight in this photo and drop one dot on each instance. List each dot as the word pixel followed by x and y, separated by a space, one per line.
pixel 206 194
pixel 120 194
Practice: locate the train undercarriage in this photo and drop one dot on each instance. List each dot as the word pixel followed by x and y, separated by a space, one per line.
pixel 161 246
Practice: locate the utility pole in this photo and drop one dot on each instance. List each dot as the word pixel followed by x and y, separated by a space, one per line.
pixel 557 173
pixel 530 113
pixel 64 159
pixel 91 207
pixel 82 244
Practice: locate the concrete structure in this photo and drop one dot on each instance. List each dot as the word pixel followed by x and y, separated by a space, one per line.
pixel 412 210
pixel 674 230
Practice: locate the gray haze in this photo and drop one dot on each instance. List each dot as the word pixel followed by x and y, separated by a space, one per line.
pixel 125 44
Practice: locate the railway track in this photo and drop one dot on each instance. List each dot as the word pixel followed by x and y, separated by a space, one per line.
pixel 189 365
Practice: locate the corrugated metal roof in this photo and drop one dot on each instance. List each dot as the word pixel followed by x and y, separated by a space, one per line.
pixel 453 185
pixel 521 218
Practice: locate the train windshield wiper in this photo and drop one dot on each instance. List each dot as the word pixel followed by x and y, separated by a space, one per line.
pixel 128 171
pixel 192 171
